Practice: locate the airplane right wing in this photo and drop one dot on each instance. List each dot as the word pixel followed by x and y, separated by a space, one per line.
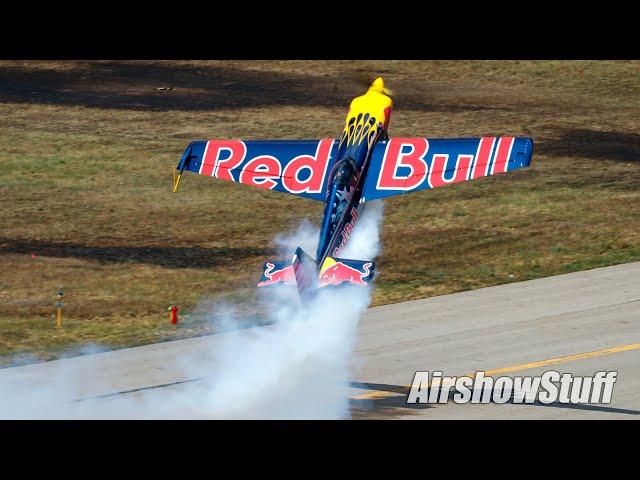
pixel 403 165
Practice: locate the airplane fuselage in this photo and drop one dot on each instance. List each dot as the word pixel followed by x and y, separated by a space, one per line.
pixel 366 124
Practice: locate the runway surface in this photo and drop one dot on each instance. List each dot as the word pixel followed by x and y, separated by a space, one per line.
pixel 578 323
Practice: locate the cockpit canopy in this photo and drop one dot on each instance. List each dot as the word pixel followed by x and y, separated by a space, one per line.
pixel 343 172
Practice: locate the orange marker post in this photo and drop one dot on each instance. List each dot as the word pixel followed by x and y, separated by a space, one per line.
pixel 59 304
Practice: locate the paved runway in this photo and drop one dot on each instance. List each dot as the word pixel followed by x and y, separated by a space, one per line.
pixel 508 326
pixel 578 323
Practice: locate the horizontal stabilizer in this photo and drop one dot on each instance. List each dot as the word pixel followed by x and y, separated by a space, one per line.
pixel 336 271
pixel 277 272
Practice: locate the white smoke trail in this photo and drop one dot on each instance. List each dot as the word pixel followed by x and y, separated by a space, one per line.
pixel 305 236
pixel 297 367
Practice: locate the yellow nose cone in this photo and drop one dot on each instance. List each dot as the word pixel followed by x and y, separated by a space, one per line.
pixel 378 85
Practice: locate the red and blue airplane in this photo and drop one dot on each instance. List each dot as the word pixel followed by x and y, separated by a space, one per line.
pixel 364 165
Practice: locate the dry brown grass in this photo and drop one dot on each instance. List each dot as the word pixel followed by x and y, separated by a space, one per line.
pixel 87 151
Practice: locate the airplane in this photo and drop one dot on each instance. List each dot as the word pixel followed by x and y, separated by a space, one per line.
pixel 365 164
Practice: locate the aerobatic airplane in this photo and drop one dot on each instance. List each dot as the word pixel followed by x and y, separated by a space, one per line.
pixel 364 165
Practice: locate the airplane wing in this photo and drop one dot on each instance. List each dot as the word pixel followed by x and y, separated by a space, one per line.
pixel 299 167
pixel 403 165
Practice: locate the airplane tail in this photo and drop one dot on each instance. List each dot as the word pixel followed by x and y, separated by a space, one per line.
pixel 301 271
pixel 305 269
pixel 304 273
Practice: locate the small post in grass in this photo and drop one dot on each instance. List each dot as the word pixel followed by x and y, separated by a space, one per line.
pixel 59 304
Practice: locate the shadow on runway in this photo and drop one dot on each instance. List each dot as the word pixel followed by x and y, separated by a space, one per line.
pixel 383 408
pixel 588 407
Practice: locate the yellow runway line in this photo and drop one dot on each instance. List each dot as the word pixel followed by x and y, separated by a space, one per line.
pixel 567 358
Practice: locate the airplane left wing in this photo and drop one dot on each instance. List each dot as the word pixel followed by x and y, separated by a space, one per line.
pixel 299 167
pixel 403 165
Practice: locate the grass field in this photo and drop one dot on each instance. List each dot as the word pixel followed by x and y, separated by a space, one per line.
pixel 87 151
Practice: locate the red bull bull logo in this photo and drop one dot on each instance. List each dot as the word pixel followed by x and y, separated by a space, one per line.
pixel 338 272
pixel 271 275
